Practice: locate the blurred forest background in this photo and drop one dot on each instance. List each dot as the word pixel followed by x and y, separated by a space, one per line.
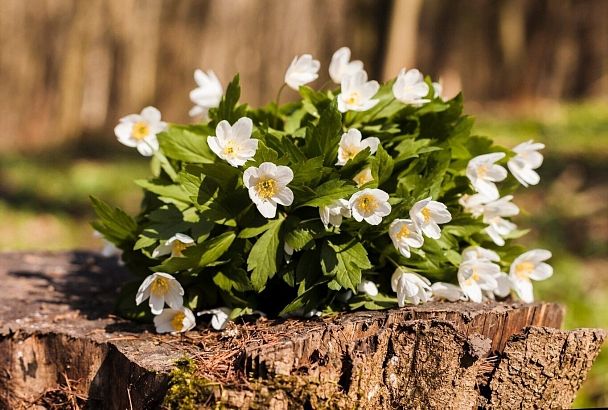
pixel 69 69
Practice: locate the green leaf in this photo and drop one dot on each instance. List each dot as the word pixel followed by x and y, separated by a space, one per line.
pixel 184 145
pixel 345 259
pixel 264 255
pixel 308 300
pixel 213 249
pixel 227 109
pixel 299 238
pixel 113 223
pixel 330 191
pixel 325 137
pixel 385 165
pixel 164 190
pixel 232 278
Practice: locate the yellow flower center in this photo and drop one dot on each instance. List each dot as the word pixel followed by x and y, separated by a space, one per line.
pixel 177 322
pixel 482 170
pixel 404 231
pixel 474 278
pixel 177 247
pixel 367 203
pixel 426 214
pixel 349 152
pixel 353 98
pixel 159 287
pixel 266 188
pixel 140 130
pixel 229 149
pixel 524 269
pixel 363 177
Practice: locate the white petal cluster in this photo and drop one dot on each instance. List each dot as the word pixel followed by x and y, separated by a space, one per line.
pixel 332 214
pixel 234 143
pixel 363 177
pixel 160 288
pixel 438 90
pixel 428 214
pixel 174 246
pixel 479 275
pixel 220 317
pixel 267 185
pixel 526 267
pixel 356 93
pixel 447 291
pixel 175 320
pixel 410 88
pixel 410 287
pixel 367 287
pixel 524 163
pixel 494 213
pixel 140 130
pixel 370 205
pixel 483 173
pixel 207 95
pixel 405 234
pixel 302 70
pixel 352 142
pixel 341 66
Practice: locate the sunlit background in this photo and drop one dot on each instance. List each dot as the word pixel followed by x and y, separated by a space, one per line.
pixel 529 69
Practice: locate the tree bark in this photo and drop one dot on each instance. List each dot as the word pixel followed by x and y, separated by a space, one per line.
pixel 60 345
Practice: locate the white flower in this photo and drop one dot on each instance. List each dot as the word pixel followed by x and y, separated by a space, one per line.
pixel 482 172
pixel 220 317
pixel 363 177
pixel 267 187
pixel 207 95
pixel 523 164
pixel 427 214
pixel 139 130
pixel 234 143
pixel 160 287
pixel 352 143
pixel 477 252
pixel 529 265
pixel 410 88
pixel 477 275
pixel 174 246
pixel 503 285
pixel 367 287
pixel 493 213
pixel 332 214
pixel 109 249
pixel 341 65
pixel 410 287
pixel 405 234
pixel 447 291
pixel 474 203
pixel 175 320
pixel 370 205
pixel 302 70
pixel 498 229
pixel 356 92
pixel 438 90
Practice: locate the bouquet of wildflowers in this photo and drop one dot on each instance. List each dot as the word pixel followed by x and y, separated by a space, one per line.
pixel 365 196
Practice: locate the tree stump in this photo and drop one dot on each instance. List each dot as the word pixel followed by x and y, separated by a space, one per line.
pixel 60 345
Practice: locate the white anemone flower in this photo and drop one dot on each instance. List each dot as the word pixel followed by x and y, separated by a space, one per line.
pixel 447 291
pixel 140 130
pixel 529 266
pixel 363 177
pixel 498 229
pixel 483 173
pixel 207 95
pixel 428 214
pixel 356 93
pixel 175 320
pixel 332 214
pixel 368 287
pixel 234 143
pixel 503 286
pixel 160 288
pixel 267 187
pixel 302 70
pixel 523 165
pixel 410 88
pixel 220 317
pixel 174 246
pixel 410 287
pixel 352 143
pixel 370 204
pixel 341 65
pixel 473 204
pixel 477 252
pixel 475 276
pixel 438 90
pixel 494 213
pixel 405 234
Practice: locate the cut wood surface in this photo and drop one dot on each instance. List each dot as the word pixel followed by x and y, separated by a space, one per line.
pixel 61 345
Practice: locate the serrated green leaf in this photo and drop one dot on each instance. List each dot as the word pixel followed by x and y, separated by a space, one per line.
pixel 330 191
pixel 325 136
pixel 184 145
pixel 345 259
pixel 113 223
pixel 264 256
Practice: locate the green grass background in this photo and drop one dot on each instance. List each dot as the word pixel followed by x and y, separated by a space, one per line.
pixel 44 204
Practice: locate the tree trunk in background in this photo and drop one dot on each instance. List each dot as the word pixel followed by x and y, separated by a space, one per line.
pixel 69 69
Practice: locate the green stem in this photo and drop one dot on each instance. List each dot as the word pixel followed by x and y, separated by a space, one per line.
pixel 380 110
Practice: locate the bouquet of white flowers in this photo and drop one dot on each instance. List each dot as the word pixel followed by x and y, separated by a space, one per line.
pixel 353 198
